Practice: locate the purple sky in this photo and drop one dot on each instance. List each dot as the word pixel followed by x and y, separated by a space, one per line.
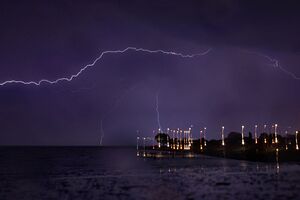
pixel 228 86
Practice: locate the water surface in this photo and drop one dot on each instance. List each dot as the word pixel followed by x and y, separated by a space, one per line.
pixel 116 173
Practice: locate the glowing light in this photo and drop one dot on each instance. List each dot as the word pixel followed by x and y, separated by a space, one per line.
pixel 144 143
pixel 174 145
pixel 277 160
pixel 177 139
pixel 73 76
pixel 296 139
pixel 180 140
pixel 190 136
pixel 204 136
pixel 243 141
pixel 286 142
pixel 223 138
pixel 153 139
pixel 186 139
pixel 255 134
pixel 265 139
pixel 276 139
pixel 187 145
pixel 137 146
pixel 273 140
pixel 168 144
pixel 201 140
pixel 159 145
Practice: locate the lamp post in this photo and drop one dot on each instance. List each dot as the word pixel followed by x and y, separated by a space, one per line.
pixel 174 133
pixel 265 128
pixel 190 138
pixel 223 138
pixel 168 143
pixel 286 140
pixel 255 134
pixel 177 139
pixel 273 139
pixel 137 145
pixel 159 138
pixel 180 139
pixel 200 141
pixel 276 139
pixel 184 139
pixel 153 139
pixel 144 143
pixel 243 141
pixel 204 136
pixel 296 139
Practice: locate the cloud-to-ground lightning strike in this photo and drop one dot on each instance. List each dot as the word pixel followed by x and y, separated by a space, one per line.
pixel 157 112
pixel 101 132
pixel 114 106
pixel 70 78
pixel 275 63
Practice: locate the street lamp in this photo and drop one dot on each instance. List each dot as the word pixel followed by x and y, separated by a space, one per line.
pixel 144 143
pixel 255 134
pixel 137 146
pixel 223 138
pixel 180 139
pixel 265 128
pixel 168 144
pixel 276 139
pixel 204 136
pixel 243 141
pixel 286 140
pixel 296 139
pixel 200 141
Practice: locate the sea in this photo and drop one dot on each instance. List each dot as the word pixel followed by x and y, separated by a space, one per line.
pixel 118 173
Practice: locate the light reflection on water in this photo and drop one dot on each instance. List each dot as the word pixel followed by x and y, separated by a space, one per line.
pixel 87 173
pixel 244 165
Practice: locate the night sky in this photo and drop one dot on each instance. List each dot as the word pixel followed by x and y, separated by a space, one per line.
pixel 229 86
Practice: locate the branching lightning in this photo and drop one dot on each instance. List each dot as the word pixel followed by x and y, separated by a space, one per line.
pixel 70 78
pixel 275 63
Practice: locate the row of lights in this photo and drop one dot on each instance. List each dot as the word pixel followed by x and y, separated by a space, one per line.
pixel 188 140
pixel 256 138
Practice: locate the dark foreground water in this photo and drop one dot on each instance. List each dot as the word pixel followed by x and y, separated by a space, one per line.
pixel 115 173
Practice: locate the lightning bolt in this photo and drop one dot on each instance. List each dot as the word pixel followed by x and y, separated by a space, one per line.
pixel 70 78
pixel 157 112
pixel 114 106
pixel 275 63
pixel 102 132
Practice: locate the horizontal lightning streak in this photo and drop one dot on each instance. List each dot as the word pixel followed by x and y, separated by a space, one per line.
pixel 70 78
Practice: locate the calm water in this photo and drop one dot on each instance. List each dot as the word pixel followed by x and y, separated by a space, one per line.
pixel 115 173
